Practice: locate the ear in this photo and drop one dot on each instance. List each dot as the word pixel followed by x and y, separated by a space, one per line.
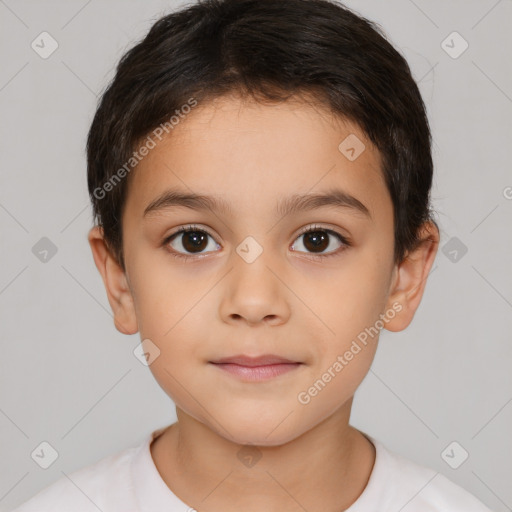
pixel 116 283
pixel 410 277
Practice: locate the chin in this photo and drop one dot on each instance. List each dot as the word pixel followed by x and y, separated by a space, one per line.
pixel 258 431
pixel 259 437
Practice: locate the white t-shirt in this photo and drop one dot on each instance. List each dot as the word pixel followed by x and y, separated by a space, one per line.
pixel 129 481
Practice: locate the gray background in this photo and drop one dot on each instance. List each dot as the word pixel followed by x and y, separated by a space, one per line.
pixel 69 378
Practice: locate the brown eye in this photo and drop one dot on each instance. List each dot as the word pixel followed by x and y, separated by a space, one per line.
pixel 319 240
pixel 316 241
pixel 190 241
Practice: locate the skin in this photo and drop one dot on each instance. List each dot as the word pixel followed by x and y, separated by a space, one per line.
pixel 290 301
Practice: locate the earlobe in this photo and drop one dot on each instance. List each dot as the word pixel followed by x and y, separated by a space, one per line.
pixel 116 284
pixel 410 278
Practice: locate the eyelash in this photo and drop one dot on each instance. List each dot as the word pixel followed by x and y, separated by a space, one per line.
pixel 191 228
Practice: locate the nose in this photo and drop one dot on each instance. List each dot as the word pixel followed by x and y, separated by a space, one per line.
pixel 254 293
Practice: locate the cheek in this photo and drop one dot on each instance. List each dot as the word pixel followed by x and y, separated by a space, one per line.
pixel 350 305
pixel 353 298
pixel 164 294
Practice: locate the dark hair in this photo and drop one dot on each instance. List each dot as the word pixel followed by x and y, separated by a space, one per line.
pixel 272 51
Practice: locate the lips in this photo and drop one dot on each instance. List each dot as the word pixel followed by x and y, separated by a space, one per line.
pixel 255 369
pixel 248 361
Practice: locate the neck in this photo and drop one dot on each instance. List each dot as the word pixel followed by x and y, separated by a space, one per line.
pixel 329 464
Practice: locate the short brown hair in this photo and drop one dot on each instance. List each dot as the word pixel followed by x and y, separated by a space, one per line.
pixel 271 50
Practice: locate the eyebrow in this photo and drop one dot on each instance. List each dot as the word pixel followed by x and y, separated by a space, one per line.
pixel 293 204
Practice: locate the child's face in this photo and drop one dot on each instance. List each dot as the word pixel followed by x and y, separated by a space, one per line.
pixel 295 304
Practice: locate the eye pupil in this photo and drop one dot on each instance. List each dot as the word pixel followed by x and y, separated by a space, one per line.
pixel 318 240
pixel 194 240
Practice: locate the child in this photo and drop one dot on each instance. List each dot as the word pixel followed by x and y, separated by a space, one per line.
pixel 288 142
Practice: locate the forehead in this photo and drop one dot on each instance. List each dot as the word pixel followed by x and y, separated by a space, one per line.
pixel 248 152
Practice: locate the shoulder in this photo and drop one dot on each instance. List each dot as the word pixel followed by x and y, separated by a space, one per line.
pixel 416 488
pixel 104 485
